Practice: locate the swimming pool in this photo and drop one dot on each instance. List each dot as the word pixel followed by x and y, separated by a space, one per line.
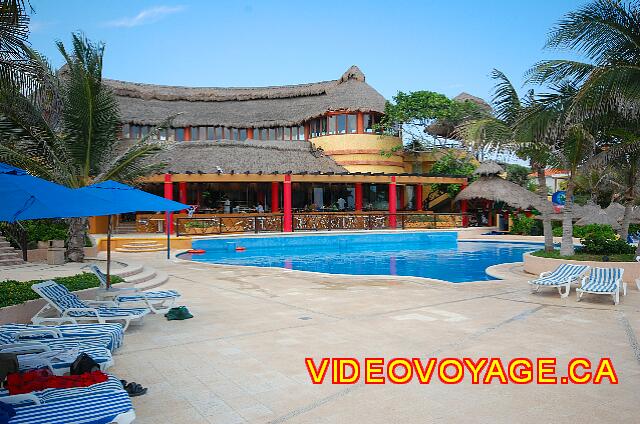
pixel 436 255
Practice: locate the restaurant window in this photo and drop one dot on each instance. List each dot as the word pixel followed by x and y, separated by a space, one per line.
pixel 210 135
pixel 367 124
pixel 234 133
pixel 342 124
pixel 135 131
pixel 272 134
pixel 332 124
pixel 125 130
pixel 279 133
pixel 179 134
pixel 301 133
pixel 218 133
pixel 352 124
pixel 162 134
pixel 171 134
pixel 194 133
pixel 242 133
pixel 287 133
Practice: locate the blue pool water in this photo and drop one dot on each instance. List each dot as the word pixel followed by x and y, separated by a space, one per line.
pixel 432 255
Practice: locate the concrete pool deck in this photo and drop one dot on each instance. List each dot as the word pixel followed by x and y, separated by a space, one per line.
pixel 241 359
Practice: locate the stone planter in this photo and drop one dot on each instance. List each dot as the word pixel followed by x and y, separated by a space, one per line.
pixel 536 265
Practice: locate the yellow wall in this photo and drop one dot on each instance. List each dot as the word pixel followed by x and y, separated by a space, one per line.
pixel 362 152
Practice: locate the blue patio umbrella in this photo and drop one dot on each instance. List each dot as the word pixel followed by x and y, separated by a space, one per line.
pixel 27 197
pixel 130 199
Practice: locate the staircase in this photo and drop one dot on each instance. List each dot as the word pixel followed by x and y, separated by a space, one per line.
pixel 141 246
pixel 141 276
pixel 126 227
pixel 9 255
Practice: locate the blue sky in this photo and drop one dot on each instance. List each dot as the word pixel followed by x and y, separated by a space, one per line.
pixel 446 46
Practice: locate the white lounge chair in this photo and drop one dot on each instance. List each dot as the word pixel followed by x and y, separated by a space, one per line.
pixel 561 277
pixel 112 332
pixel 104 406
pixel 57 354
pixel 603 281
pixel 69 305
pixel 159 301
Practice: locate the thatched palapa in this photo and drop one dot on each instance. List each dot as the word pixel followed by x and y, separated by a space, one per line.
pixel 491 187
pixel 253 107
pixel 599 217
pixel 227 156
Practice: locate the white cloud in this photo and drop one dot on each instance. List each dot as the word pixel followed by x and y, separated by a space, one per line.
pixel 147 16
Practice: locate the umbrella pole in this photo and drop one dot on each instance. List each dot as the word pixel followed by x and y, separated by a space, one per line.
pixel 168 218
pixel 109 253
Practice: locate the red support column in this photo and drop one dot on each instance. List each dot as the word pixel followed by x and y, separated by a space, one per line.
pixel 419 197
pixel 358 196
pixel 187 133
pixel 168 194
pixel 463 208
pixel 306 131
pixel 288 216
pixel 360 123
pixel 392 203
pixel 274 197
pixel 182 192
pixel 402 196
pixel 250 133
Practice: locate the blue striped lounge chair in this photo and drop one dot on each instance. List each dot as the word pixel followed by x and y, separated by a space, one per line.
pixel 158 301
pixel 46 395
pixel 57 354
pixel 101 406
pixel 603 281
pixel 560 278
pixel 112 332
pixel 69 305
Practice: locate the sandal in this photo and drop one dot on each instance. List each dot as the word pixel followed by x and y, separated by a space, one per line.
pixel 135 389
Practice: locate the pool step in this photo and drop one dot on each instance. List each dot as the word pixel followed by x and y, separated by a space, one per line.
pixel 141 246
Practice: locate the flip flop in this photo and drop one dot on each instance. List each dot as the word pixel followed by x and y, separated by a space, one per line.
pixel 135 389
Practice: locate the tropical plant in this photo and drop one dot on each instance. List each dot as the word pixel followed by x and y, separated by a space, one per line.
pixel 451 163
pixel 518 174
pixel 80 148
pixel 607 34
pixel 499 132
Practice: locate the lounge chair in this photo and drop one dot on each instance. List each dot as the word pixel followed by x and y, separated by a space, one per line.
pixel 603 281
pixel 159 301
pixel 561 277
pixel 69 305
pixel 54 353
pixel 113 384
pixel 111 331
pixel 104 406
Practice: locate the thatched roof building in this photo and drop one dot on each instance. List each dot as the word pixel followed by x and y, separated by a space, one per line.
pixel 599 217
pixel 446 129
pixel 245 107
pixel 249 156
pixel 491 187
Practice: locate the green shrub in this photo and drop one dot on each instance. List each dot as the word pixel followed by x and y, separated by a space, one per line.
pixel 45 229
pixel 582 231
pixel 602 244
pixel 14 292
pixel 522 225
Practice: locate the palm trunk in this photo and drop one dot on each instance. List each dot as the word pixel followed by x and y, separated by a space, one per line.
pixel 566 247
pixel 75 242
pixel 626 219
pixel 547 228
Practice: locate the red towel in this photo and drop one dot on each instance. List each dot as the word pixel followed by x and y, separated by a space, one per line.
pixel 40 379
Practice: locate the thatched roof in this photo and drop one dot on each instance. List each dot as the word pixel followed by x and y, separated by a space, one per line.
pixel 227 156
pixel 500 190
pixel 466 97
pixel 245 107
pixel 488 168
pixel 587 209
pixel 616 210
pixel 599 217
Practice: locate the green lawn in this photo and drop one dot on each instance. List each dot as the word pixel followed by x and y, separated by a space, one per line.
pixel 585 256
pixel 14 292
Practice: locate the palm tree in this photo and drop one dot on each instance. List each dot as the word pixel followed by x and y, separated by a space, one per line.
pixel 607 33
pixel 571 145
pixel 498 132
pixel 82 146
